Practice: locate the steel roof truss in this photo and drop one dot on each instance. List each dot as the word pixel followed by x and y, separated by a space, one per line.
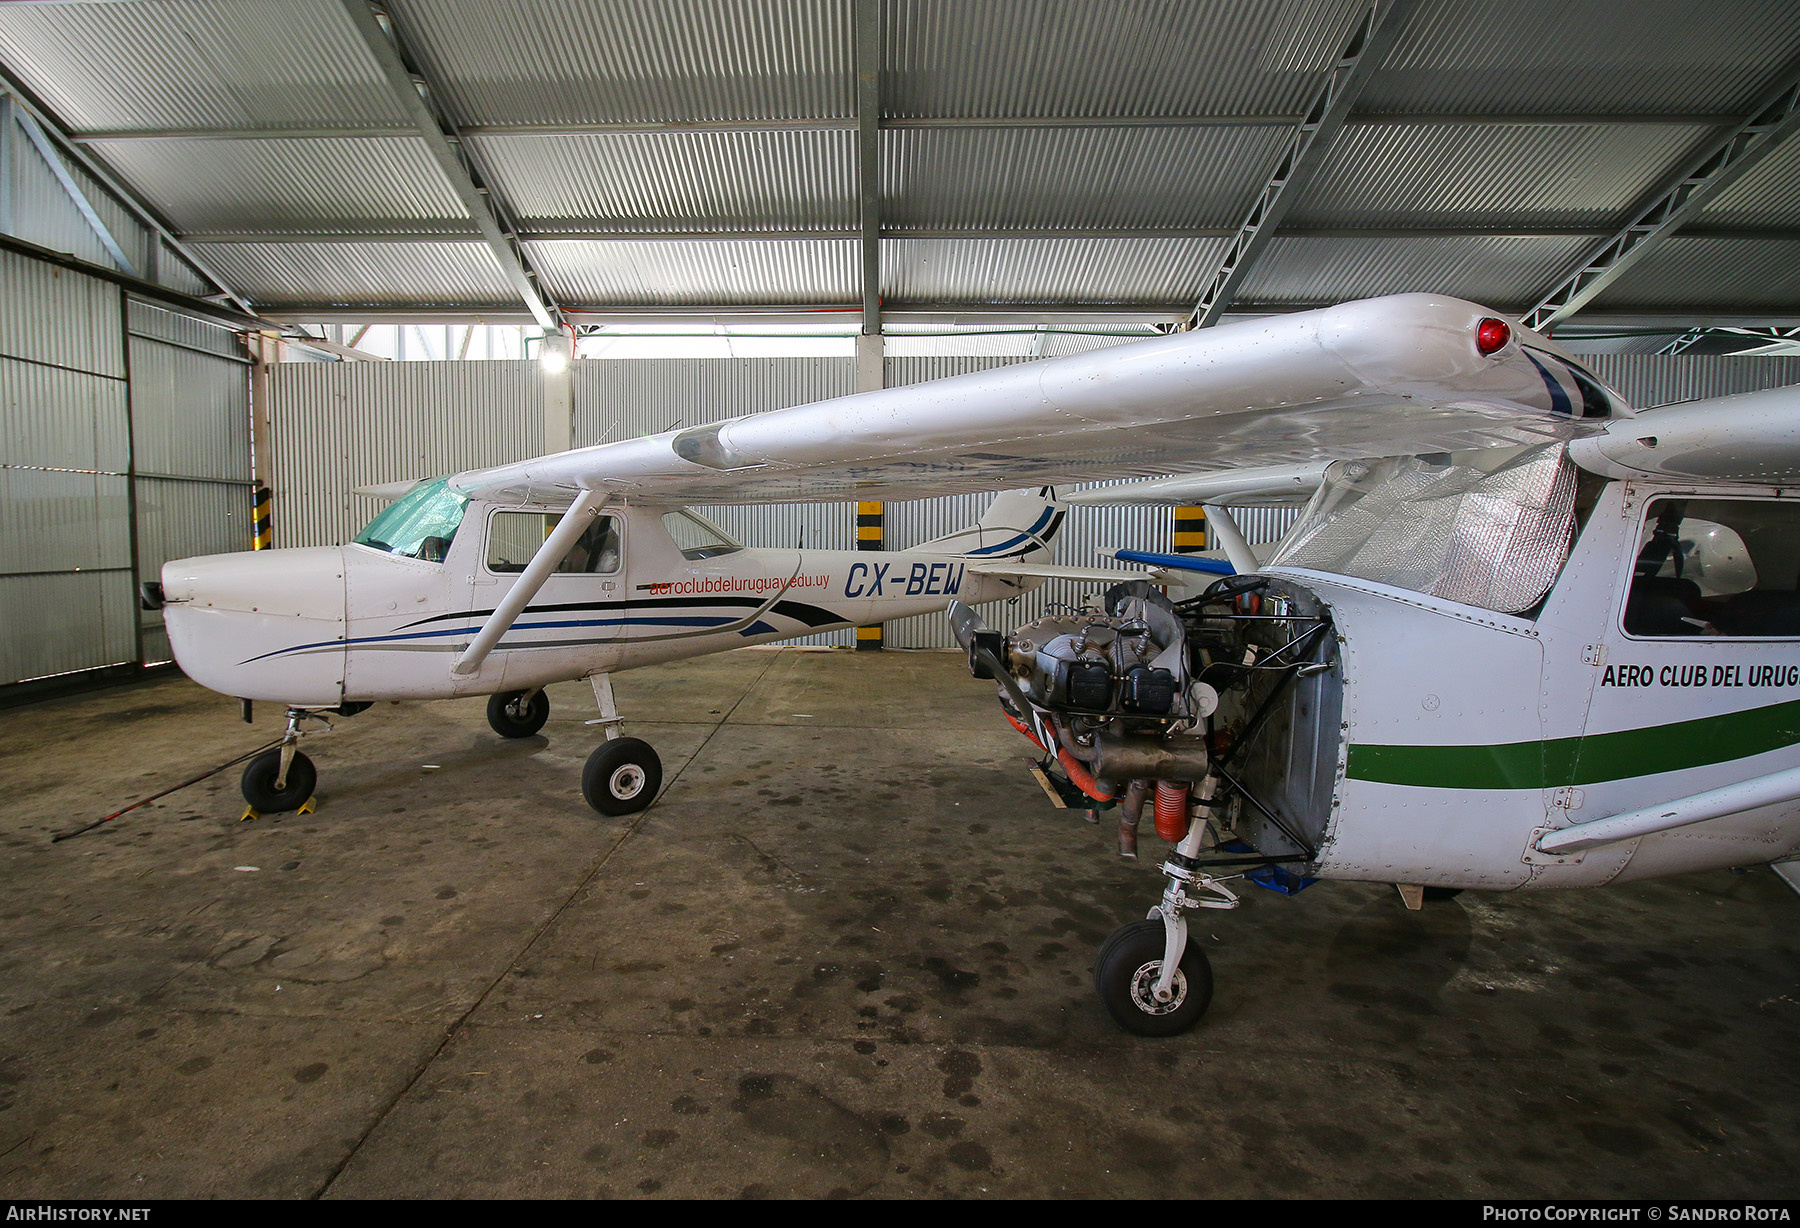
pixel 411 89
pixel 1364 51
pixel 1680 201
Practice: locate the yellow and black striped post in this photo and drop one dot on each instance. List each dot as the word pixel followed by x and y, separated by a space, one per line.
pixel 1190 530
pixel 260 539
pixel 868 537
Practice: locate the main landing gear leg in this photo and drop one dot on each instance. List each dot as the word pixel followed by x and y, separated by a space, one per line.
pixel 623 774
pixel 1148 977
pixel 283 778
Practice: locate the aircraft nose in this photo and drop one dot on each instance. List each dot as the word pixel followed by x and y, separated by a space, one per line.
pixel 264 624
pixel 306 583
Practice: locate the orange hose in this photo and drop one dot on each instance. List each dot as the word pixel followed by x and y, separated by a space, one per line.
pixel 1079 776
pixel 1171 810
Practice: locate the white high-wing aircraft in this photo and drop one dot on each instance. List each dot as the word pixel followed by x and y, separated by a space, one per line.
pixel 1545 644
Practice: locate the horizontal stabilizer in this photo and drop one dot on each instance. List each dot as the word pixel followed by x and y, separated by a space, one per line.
pixel 1054 571
pixel 1176 562
pixel 385 490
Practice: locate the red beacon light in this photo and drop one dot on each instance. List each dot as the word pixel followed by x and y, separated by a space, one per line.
pixel 1491 335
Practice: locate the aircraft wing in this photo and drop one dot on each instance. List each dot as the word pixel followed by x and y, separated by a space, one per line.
pixel 1233 487
pixel 1380 377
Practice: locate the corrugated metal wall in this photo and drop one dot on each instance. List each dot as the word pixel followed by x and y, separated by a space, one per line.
pixel 1649 380
pixel 629 398
pixel 190 439
pixel 124 438
pixel 341 425
pixel 65 456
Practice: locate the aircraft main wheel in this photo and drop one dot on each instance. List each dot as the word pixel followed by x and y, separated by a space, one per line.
pixel 622 776
pixel 1125 973
pixel 259 782
pixel 1442 893
pixel 511 715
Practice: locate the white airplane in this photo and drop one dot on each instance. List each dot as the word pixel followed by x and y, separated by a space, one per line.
pixel 450 593
pixel 1439 681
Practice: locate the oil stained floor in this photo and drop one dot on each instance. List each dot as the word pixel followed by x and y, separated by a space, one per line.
pixel 847 953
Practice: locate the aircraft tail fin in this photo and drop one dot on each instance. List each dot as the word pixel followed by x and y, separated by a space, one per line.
pixel 1019 525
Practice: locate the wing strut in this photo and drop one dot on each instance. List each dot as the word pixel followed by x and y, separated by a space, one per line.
pixel 1237 550
pixel 586 506
pixel 1767 790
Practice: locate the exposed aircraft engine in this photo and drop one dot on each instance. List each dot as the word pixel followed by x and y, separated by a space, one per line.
pixel 1115 686
pixel 1184 710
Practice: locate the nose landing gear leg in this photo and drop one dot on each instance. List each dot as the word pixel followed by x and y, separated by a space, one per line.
pixel 623 774
pixel 1147 975
pixel 282 779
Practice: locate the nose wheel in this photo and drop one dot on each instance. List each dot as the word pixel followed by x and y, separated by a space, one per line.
pixel 518 714
pixel 1128 969
pixel 1148 976
pixel 283 779
pixel 270 790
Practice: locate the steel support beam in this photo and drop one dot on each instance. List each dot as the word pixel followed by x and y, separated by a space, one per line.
pixel 1681 199
pixel 73 191
pixel 530 232
pixel 24 105
pixel 828 123
pixel 400 67
pixel 870 48
pixel 1367 47
pixel 8 124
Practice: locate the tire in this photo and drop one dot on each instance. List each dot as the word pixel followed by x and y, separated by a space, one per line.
pixel 1442 893
pixel 511 719
pixel 1125 971
pixel 259 782
pixel 621 776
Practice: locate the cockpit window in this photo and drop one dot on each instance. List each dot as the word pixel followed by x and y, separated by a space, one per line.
pixel 514 539
pixel 1717 567
pixel 420 524
pixel 1490 528
pixel 697 537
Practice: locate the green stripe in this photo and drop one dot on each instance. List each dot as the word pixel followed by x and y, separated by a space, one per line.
pixel 1582 761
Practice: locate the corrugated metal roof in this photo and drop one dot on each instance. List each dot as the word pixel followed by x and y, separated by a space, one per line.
pixel 290 185
pixel 566 62
pixel 1074 177
pixel 1503 271
pixel 1710 273
pixel 1518 174
pixel 677 181
pixel 1108 57
pixel 1046 270
pixel 1523 56
pixel 1049 123
pixel 355 274
pixel 197 64
pixel 728 273
pixel 1767 195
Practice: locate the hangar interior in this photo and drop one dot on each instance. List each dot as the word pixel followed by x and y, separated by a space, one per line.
pixel 255 255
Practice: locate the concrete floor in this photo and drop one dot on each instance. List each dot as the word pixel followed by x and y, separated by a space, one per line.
pixel 848 953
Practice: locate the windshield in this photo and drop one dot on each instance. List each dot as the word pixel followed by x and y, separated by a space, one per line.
pixel 696 537
pixel 420 524
pixel 1488 528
